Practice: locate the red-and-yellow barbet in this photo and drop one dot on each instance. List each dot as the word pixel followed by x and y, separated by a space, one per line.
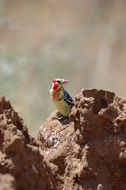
pixel 62 100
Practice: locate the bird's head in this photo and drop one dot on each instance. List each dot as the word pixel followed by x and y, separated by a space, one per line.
pixel 58 84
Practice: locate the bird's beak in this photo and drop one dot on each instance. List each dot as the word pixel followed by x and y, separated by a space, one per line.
pixel 64 81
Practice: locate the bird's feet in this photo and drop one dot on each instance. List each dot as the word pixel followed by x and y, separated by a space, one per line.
pixel 61 118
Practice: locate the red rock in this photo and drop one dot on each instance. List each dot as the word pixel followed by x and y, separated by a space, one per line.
pixel 21 164
pixel 89 152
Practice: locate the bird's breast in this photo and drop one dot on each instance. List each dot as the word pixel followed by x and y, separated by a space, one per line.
pixel 62 107
pixel 55 95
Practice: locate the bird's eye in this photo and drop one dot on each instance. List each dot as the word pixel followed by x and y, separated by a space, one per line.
pixel 58 81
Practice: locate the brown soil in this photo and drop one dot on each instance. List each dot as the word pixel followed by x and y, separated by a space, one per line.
pixel 21 164
pixel 89 152
pixel 86 153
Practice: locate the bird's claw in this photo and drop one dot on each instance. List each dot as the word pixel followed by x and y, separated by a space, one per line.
pixel 62 119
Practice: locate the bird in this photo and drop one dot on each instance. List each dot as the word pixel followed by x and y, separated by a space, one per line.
pixel 61 98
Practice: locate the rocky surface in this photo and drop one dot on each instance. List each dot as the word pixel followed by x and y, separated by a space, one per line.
pixel 86 152
pixel 89 151
pixel 21 164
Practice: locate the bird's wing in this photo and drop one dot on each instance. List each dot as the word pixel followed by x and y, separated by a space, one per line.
pixel 67 98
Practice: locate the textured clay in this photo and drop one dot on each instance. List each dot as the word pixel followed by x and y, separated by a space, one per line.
pixel 89 151
pixel 21 164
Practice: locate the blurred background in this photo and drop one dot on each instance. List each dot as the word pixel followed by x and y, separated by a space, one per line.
pixel 79 40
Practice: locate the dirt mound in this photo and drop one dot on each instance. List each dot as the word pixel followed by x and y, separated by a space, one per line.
pixel 21 164
pixel 89 152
